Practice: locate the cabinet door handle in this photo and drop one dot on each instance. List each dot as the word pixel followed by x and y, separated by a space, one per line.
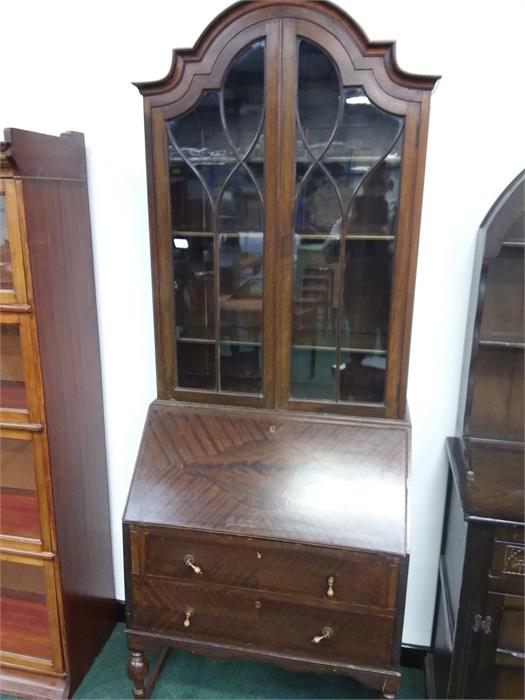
pixel 327 633
pixel 188 613
pixel 330 590
pixel 189 560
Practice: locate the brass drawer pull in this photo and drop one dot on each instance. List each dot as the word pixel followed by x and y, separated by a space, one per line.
pixel 327 633
pixel 330 590
pixel 189 560
pixel 188 614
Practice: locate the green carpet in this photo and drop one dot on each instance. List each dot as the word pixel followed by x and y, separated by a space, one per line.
pixel 188 675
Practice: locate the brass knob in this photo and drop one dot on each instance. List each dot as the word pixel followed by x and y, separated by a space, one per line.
pixel 189 560
pixel 330 590
pixel 188 614
pixel 327 633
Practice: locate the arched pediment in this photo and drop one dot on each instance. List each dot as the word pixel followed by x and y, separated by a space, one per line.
pixel 373 63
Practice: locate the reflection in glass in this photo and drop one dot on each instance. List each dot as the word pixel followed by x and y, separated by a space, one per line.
pixel 196 365
pixel 241 368
pixel 348 169
pixel 240 207
pixel 18 499
pixel 374 208
pixel 23 599
pixel 6 267
pixel 318 96
pixel 316 279
pixel 313 373
pixel 215 155
pixel 194 286
pixel 191 209
pixel 362 377
pixel 241 287
pixel 366 293
pixel 243 95
pixel 13 391
pixel 318 207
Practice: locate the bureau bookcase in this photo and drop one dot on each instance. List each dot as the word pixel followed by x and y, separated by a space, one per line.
pixel 267 514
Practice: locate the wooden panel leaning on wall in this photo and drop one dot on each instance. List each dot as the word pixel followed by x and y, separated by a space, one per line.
pixel 57 595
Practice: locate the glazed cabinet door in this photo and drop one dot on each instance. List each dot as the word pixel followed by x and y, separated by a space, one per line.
pixel 217 247
pixel 343 224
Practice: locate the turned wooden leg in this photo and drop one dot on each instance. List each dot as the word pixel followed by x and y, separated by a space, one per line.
pixel 138 669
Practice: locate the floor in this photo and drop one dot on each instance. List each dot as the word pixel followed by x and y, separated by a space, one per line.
pixel 190 676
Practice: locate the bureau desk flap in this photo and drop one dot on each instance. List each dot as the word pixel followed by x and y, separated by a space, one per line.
pixel 270 474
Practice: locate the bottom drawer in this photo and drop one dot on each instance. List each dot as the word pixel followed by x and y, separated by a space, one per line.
pixel 256 619
pixel 29 633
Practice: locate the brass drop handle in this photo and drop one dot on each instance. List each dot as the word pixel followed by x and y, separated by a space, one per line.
pixel 188 614
pixel 327 633
pixel 330 590
pixel 189 560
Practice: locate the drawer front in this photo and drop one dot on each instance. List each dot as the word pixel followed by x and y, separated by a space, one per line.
pixel 260 620
pixel 356 578
pixel 507 571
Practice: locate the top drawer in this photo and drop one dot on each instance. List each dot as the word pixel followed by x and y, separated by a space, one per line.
pixel 356 578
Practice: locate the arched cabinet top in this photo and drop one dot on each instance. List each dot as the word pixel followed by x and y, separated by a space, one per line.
pixel 372 64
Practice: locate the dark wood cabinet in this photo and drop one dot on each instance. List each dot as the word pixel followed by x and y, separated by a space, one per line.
pixel 57 604
pixel 478 647
pixel 285 158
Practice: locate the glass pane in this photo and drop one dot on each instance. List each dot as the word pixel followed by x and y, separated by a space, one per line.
pixel 497 399
pixel 240 209
pixel 13 392
pixel 318 97
pixel 198 138
pixel 191 209
pixel 241 287
pixel 6 267
pixel 23 607
pixel 216 153
pixel 241 368
pixel 347 185
pixel 374 209
pixel 194 286
pixel 196 365
pixel 18 499
pixel 503 312
pixel 366 294
pixel 243 95
pixel 316 279
pixel 362 377
pixel 313 373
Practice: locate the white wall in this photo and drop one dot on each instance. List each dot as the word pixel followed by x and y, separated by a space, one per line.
pixel 69 66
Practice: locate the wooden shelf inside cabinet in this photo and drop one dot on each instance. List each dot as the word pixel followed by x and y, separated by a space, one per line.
pixel 285 170
pixel 483 554
pixel 55 613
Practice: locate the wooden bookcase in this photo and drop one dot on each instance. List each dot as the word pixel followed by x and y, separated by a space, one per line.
pixel 57 599
pixel 478 637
